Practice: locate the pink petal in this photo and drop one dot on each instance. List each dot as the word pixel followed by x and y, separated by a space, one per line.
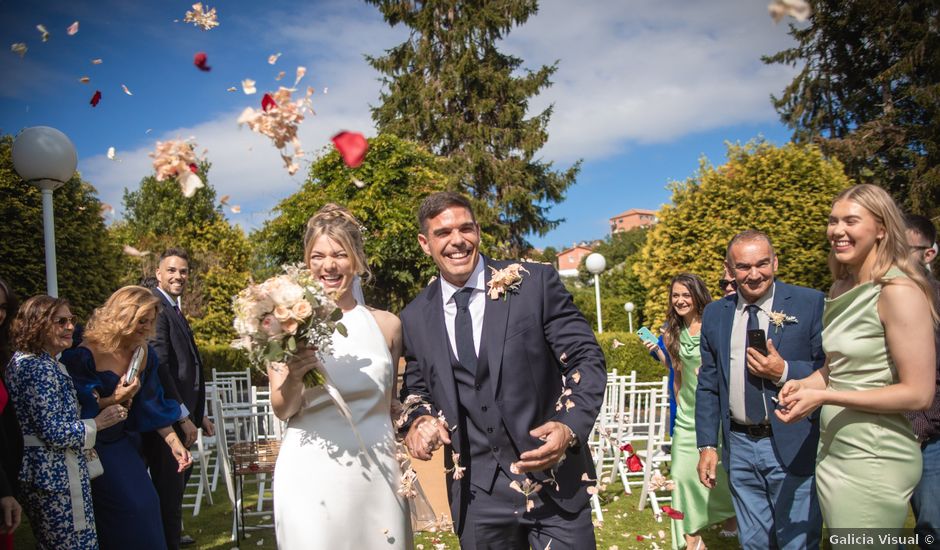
pixel 352 146
pixel 98 61
pixel 272 59
pixel 126 91
pixel 73 29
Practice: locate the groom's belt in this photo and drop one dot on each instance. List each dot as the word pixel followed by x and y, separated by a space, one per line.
pixel 753 430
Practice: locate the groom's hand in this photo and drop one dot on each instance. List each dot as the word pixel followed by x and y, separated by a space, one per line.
pixel 556 436
pixel 425 436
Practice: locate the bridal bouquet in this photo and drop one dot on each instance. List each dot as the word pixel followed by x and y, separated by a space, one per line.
pixel 275 318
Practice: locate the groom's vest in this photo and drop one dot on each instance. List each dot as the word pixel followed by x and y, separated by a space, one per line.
pixel 482 431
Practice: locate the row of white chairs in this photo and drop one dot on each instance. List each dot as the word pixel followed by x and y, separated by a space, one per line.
pixel 633 413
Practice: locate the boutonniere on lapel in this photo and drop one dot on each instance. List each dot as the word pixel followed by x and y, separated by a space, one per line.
pixel 779 318
pixel 505 281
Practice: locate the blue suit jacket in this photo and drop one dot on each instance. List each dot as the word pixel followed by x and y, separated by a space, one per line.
pixel 524 337
pixel 800 344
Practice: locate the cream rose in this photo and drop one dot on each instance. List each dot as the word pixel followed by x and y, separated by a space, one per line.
pixel 302 310
pixel 290 326
pixel 282 313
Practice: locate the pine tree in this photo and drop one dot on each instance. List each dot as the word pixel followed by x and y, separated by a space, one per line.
pixel 869 93
pixel 450 89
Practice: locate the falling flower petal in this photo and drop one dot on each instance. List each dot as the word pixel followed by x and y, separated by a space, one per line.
pixel 267 102
pixel 98 61
pixel 131 251
pixel 673 513
pixel 189 183
pixel 126 91
pixel 73 29
pixel 19 49
pixel 193 168
pixel 325 90
pixel 207 19
pixel 279 76
pixel 42 30
pixel 617 343
pixel 231 89
pixel 235 209
pixel 301 71
pixel 280 124
pixel 358 183
pixel 576 376
pixel 84 80
pixel 224 200
pixel 148 131
pixel 272 59
pixel 248 86
pixel 797 9
pixel 95 98
pixel 662 534
pixel 199 60
pixel 110 153
pixel 352 146
pixel 106 209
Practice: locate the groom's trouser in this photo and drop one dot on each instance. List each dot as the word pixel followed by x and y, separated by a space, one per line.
pixel 775 508
pixel 498 520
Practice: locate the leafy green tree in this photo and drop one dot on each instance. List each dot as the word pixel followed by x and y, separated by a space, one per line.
pixel 449 88
pixel 157 216
pixel 86 258
pixel 784 191
pixel 869 93
pixel 397 175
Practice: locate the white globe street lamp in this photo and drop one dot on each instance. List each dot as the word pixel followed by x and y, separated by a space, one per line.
pixel 629 307
pixel 46 158
pixel 595 263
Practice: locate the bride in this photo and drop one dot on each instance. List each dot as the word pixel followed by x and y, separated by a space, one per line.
pixel 328 493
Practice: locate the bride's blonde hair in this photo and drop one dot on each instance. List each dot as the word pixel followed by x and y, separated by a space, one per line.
pixel 111 323
pixel 339 224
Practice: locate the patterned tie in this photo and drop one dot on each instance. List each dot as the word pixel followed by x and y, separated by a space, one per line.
pixel 463 330
pixel 754 405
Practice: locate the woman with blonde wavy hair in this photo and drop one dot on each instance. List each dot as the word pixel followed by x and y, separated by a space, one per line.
pixel 323 465
pixel 880 361
pixel 105 372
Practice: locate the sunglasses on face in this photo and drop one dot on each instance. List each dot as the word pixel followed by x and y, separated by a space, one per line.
pixel 723 283
pixel 63 321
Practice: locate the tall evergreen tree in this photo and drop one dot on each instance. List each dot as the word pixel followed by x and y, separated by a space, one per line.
pixel 450 89
pixel 869 93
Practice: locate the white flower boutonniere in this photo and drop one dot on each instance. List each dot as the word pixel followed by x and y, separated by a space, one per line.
pixel 505 280
pixel 779 318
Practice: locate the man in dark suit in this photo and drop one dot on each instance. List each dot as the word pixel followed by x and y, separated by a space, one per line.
pixel 770 464
pixel 182 379
pixel 519 379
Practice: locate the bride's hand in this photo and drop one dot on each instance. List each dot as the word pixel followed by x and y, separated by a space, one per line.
pixel 301 363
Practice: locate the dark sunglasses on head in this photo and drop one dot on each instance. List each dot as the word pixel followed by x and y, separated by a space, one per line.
pixel 722 283
pixel 62 321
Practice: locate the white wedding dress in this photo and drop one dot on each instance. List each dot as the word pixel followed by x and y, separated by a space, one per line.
pixel 327 494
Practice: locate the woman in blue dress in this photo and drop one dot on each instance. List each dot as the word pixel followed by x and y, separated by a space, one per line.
pixel 127 509
pixel 53 477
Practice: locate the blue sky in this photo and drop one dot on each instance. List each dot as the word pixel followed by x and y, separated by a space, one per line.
pixel 644 89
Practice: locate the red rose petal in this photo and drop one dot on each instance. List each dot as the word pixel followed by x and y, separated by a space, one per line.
pixel 193 168
pixel 267 102
pixel 199 60
pixel 634 464
pixel 352 146
pixel 95 98
pixel 640 537
pixel 673 513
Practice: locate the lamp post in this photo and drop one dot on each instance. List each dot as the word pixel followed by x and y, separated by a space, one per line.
pixel 595 263
pixel 46 158
pixel 629 307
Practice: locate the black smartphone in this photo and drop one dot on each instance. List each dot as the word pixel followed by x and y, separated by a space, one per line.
pixel 758 340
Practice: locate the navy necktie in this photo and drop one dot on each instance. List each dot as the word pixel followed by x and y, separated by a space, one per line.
pixel 754 405
pixel 463 330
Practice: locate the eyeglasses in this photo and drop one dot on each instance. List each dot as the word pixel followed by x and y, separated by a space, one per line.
pixel 722 283
pixel 63 321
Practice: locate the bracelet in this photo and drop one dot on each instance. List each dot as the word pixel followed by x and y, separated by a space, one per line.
pixel 705 447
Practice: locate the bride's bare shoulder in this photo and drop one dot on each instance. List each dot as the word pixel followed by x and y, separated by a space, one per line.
pixel 385 319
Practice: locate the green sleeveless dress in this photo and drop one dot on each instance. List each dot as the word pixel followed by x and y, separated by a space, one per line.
pixel 868 464
pixel 702 507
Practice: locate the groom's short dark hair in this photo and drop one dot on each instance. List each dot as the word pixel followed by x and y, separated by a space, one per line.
pixel 435 203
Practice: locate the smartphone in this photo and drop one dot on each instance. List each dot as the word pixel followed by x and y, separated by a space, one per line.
pixel 647 336
pixel 758 340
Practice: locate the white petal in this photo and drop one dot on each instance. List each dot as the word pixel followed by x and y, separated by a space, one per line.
pixel 189 182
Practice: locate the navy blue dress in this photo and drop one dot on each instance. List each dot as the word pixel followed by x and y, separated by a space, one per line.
pixel 127 509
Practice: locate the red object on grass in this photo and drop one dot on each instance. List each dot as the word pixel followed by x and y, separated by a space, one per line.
pixel 95 98
pixel 199 60
pixel 267 102
pixel 674 514
pixel 633 462
pixel 352 146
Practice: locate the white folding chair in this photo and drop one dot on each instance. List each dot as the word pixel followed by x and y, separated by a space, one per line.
pixel 657 449
pixel 198 481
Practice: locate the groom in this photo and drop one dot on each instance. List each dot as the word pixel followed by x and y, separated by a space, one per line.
pixel 517 374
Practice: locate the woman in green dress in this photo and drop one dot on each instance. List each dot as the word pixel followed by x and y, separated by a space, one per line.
pixel 880 362
pixel 700 506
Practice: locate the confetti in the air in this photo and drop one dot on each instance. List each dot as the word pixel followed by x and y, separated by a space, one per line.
pixel 325 90
pixel 205 18
pixel 131 251
pixel 175 158
pixel 279 76
pixel 301 71
pixel 224 200
pixel 267 102
pixel 147 132
pixel 73 29
pixel 126 91
pixel 235 209
pixel 95 98
pixel 248 86
pixel 280 123
pixel 797 9
pixel 98 61
pixel 42 31
pixel 190 183
pixel 272 59
pixel 231 89
pixel 84 80
pixel 352 146
pixel 199 60
pixel 19 49
pixel 106 209
pixel 358 183
pixel 111 153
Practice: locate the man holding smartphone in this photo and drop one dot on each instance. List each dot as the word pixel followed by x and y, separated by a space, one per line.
pixel 752 342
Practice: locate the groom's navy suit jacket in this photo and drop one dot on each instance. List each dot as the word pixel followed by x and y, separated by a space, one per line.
pixel 530 339
pixel 799 343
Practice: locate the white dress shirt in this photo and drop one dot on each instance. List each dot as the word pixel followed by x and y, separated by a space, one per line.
pixel 477 282
pixel 738 357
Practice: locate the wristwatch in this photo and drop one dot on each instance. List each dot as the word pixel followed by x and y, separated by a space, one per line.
pixel 704 447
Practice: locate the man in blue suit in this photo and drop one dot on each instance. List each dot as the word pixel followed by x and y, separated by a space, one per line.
pixel 770 464
pixel 519 379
